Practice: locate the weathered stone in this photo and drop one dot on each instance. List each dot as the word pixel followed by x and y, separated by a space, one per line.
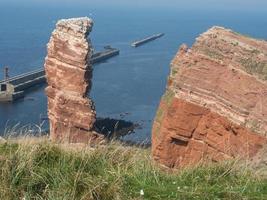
pixel 68 70
pixel 215 106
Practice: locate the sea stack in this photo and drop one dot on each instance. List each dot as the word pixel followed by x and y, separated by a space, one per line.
pixel 69 72
pixel 215 104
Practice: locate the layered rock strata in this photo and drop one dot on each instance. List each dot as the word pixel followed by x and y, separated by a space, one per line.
pixel 69 72
pixel 215 106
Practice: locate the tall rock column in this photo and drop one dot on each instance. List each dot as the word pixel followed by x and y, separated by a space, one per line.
pixel 69 72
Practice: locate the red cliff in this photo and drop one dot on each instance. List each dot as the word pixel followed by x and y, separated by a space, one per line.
pixel 215 106
pixel 69 73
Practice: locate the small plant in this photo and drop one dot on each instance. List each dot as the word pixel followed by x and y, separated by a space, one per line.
pixel 255 51
pixel 234 43
pixel 174 71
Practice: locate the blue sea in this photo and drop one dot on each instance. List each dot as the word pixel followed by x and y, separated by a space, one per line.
pixel 128 86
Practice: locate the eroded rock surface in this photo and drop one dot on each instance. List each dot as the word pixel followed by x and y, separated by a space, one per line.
pixel 68 70
pixel 215 106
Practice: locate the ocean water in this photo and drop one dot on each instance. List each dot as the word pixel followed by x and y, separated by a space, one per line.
pixel 130 83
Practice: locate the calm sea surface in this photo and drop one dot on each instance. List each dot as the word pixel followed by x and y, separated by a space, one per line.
pixel 132 82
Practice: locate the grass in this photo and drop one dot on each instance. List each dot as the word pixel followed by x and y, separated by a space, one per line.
pixel 168 97
pixel 255 67
pixel 42 170
pixel 213 54
pixel 166 100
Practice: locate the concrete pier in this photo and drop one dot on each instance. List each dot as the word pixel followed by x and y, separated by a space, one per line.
pixel 148 39
pixel 102 56
pixel 13 88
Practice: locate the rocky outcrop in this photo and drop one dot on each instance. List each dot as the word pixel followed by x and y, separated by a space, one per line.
pixel 215 106
pixel 68 71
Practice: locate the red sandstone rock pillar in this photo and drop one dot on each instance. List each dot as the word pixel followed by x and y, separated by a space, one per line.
pixel 69 73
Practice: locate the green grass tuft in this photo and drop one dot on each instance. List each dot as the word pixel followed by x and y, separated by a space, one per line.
pixel 43 170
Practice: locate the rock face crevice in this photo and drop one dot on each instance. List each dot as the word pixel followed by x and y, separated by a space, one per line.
pixel 69 72
pixel 215 106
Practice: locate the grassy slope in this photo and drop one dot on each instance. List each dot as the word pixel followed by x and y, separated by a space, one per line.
pixel 40 170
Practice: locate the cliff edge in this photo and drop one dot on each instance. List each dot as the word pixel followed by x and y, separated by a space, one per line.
pixel 215 104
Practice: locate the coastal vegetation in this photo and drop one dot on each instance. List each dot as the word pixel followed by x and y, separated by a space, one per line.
pixel 39 169
pixel 253 66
